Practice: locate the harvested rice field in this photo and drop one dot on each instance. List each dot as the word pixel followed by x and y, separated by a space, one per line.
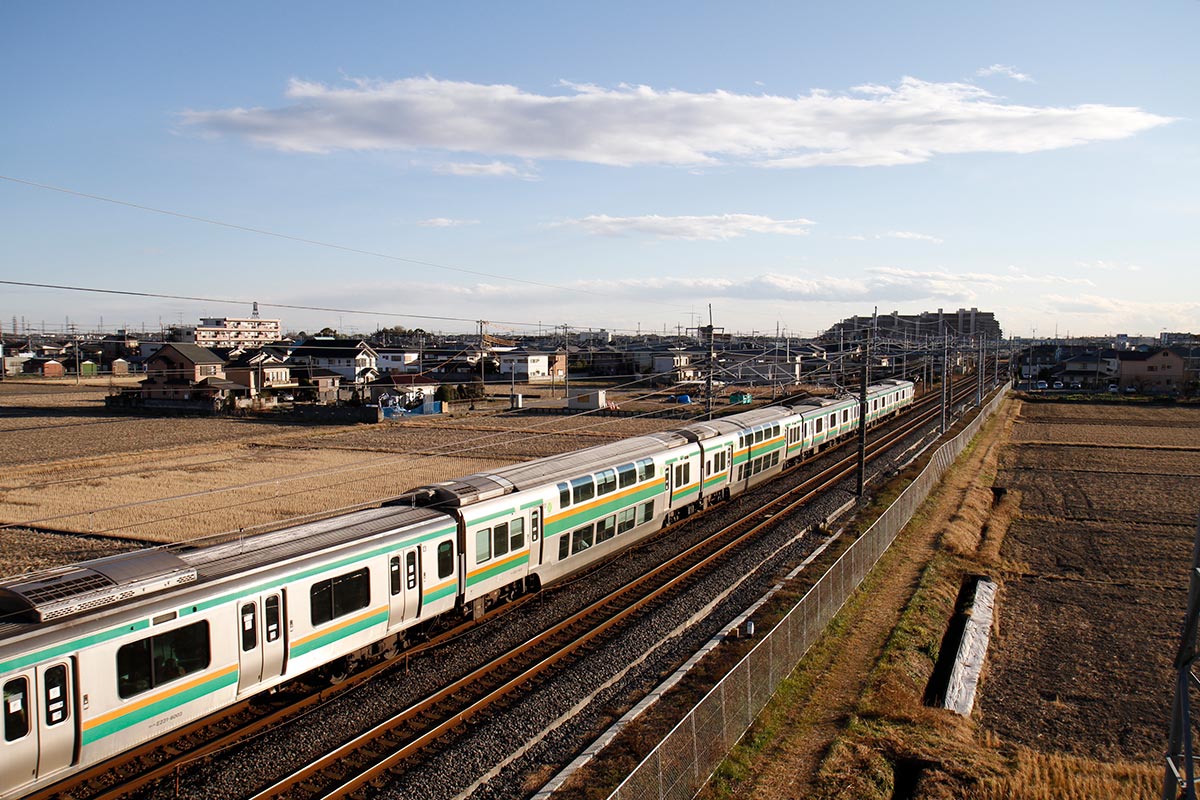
pixel 72 468
pixel 1095 574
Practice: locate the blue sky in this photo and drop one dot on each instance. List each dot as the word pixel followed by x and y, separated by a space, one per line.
pixel 610 165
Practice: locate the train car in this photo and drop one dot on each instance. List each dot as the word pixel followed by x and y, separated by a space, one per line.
pixel 103 655
pixel 100 656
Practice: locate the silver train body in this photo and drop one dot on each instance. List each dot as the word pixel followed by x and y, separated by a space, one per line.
pixel 98 657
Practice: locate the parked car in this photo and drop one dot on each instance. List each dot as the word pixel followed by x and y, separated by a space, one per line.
pixel 1043 385
pixel 1058 384
pixel 1112 388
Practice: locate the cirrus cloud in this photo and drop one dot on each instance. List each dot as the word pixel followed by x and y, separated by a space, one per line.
pixel 870 125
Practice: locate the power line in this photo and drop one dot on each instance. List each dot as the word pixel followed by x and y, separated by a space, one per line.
pixel 314 242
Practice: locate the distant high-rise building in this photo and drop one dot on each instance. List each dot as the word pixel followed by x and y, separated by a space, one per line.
pixel 963 322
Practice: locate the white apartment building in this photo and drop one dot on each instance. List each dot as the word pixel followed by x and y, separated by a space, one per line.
pixel 247 332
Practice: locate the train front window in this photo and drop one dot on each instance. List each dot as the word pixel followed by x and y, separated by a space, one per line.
pixel 16 709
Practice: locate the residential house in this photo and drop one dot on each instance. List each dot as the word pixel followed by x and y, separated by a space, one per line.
pixel 1158 371
pixel 181 371
pixel 353 359
pixel 529 366
pixel 1093 370
pixel 397 359
pixel 259 370
pixel 317 384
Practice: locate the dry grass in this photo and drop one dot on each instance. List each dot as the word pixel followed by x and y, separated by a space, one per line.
pixel 72 468
pixel 1050 776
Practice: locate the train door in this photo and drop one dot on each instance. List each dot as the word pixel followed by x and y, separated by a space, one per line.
pixel 261 644
pixel 405 586
pixel 19 746
pixel 535 534
pixel 56 722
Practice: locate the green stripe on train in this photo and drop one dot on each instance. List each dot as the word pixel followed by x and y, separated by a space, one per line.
pixel 72 646
pixel 492 572
pixel 575 519
pixel 340 633
pixel 158 707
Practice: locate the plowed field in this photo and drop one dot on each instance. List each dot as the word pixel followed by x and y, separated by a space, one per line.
pixel 1095 578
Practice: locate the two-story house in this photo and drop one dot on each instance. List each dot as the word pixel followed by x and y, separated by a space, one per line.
pixel 180 371
pixel 353 359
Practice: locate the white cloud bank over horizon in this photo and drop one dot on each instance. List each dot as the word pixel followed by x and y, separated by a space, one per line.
pixel 870 125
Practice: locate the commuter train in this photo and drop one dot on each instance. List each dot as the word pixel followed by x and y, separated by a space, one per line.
pixel 103 655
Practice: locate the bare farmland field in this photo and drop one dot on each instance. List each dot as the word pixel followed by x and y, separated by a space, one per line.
pixel 1095 579
pixel 72 468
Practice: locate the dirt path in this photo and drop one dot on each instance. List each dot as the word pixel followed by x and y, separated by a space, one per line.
pixel 786 769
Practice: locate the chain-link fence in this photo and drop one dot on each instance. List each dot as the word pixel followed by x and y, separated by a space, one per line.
pixel 681 764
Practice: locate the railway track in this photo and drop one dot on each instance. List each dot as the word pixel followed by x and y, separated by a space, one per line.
pixel 377 755
pixel 160 762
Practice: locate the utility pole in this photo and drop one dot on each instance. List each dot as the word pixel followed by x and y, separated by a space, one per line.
pixel 567 363
pixel 710 332
pixel 979 370
pixel 945 378
pixel 862 418
pixel 482 350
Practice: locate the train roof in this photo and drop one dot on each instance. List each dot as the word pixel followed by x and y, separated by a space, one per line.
pixel 65 591
pixel 497 482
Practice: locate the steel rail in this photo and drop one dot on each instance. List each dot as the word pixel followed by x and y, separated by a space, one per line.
pixel 733 535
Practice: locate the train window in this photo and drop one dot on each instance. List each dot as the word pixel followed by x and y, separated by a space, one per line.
pixel 581 538
pixel 445 558
pixel 16 709
pixel 647 512
pixel 564 546
pixel 54 683
pixel 775 431
pixel 249 627
pixel 337 597
pixel 162 658
pixel 271 617
pixel 625 520
pixel 516 534
pixel 845 415
pixel 606 528
pixel 410 569
pixel 817 429
pixel 645 469
pixel 583 489
pixel 833 420
pixel 483 545
pixel 627 475
pixel 564 495
pixel 394 575
pixel 606 481
pixel 500 539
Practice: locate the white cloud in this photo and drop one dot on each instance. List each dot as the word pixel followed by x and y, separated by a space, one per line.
pixel 495 169
pixel 1004 69
pixel 709 228
pixel 445 222
pixel 920 237
pixel 871 125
